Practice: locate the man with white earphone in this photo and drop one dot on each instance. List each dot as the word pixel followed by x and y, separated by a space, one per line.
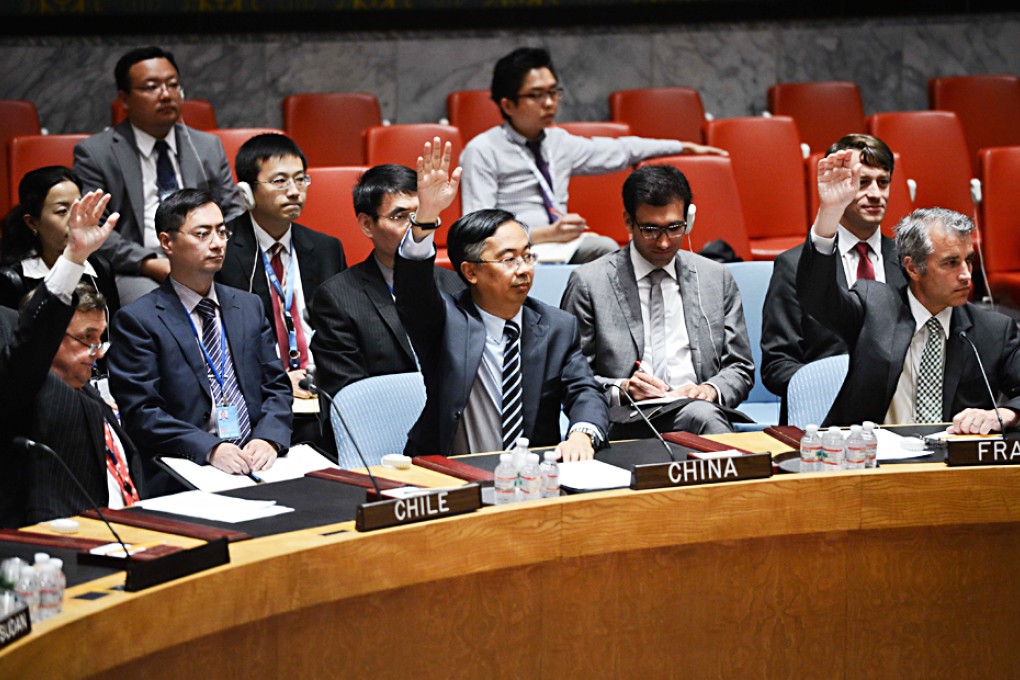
pixel 145 158
pixel 269 255
pixel 661 322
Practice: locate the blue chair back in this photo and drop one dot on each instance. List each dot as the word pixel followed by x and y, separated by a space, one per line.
pixel 813 388
pixel 550 282
pixel 752 279
pixel 379 412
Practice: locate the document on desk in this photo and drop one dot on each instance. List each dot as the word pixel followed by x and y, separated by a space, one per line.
pixel 592 475
pixel 301 459
pixel 210 506
pixel 892 446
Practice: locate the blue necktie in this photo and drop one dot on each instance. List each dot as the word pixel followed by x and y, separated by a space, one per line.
pixel 166 178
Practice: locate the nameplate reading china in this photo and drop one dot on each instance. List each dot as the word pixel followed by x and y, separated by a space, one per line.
pixel 419 507
pixel 994 451
pixel 695 471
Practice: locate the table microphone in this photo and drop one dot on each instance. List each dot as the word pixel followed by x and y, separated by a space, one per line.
pixel 995 409
pixel 308 383
pixel 30 445
pixel 605 388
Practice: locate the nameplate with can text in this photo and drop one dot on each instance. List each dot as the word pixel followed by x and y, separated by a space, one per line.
pixel 696 471
pixel 419 507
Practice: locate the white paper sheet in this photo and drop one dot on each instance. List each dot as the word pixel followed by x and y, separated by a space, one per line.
pixel 204 505
pixel 892 446
pixel 299 460
pixel 593 474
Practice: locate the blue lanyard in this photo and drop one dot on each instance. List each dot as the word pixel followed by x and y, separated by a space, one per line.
pixel 217 373
pixel 286 299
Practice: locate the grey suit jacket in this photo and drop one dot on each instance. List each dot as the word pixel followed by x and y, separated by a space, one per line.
pixel 603 295
pixel 109 161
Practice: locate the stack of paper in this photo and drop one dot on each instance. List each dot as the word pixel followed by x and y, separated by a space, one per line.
pixel 204 505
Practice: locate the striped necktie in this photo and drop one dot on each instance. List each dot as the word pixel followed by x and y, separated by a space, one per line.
pixel 512 413
pixel 231 391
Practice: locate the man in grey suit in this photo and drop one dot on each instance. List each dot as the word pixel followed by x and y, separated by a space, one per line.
pixel 143 159
pixel 660 322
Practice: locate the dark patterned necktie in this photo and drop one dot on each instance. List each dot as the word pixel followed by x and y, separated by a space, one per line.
pixel 512 411
pixel 929 376
pixel 166 178
pixel 231 391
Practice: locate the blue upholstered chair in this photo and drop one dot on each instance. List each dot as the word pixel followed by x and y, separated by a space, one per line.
pixel 753 281
pixel 813 388
pixel 379 412
pixel 550 282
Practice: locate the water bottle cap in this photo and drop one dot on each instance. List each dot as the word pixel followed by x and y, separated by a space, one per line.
pixel 533 458
pixel 57 562
pixel 41 558
pixel 868 425
pixel 811 428
pixel 550 456
pixel 505 457
pixel 523 442
pixel 835 429
pixel 855 429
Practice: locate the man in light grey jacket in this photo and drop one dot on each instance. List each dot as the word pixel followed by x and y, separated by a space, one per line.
pixel 660 322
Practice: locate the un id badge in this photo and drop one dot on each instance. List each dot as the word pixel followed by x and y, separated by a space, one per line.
pixel 227 425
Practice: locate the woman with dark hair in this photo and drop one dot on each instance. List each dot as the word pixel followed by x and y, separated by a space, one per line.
pixel 35 233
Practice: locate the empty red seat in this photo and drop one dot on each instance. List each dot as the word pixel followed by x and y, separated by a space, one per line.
pixel 1000 168
pixel 472 112
pixel 329 208
pixel 328 126
pixel 988 107
pixel 37 151
pixel 19 119
pixel 824 111
pixel 195 113
pixel 769 167
pixel 661 112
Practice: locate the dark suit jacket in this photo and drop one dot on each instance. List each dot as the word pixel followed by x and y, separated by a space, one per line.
pixel 875 322
pixel 319 257
pixel 449 335
pixel 158 374
pixel 790 338
pixel 109 161
pixel 37 404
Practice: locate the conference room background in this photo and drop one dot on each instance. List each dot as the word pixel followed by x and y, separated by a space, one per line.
pixel 247 75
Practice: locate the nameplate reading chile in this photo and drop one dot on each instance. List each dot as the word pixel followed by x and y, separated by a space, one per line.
pixel 420 507
pixel 695 471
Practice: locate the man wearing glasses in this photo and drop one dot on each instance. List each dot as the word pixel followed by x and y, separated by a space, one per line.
pixel 524 166
pixel 194 365
pixel 661 322
pixel 146 157
pixel 498 365
pixel 270 255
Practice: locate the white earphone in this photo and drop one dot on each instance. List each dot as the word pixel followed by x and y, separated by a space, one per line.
pixel 247 197
pixel 692 211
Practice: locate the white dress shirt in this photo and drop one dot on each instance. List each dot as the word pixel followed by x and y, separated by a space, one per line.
pixel 679 364
pixel 847 244
pixel 902 407
pixel 266 242
pixel 150 191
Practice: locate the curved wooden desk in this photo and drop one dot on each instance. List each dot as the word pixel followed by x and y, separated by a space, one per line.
pixel 902 572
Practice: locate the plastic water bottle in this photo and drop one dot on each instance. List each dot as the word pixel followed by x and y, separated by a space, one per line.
pixel 27 590
pixel 856 450
pixel 833 449
pixel 49 592
pixel 810 449
pixel 61 581
pixel 531 479
pixel 520 455
pixel 41 559
pixel 870 444
pixel 550 476
pixel 505 487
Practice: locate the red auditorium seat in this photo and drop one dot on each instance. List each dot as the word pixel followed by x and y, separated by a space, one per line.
pixel 472 112
pixel 769 168
pixel 714 187
pixel 661 112
pixel 37 151
pixel 899 203
pixel 329 126
pixel 1000 168
pixel 19 119
pixel 234 138
pixel 330 209
pixel 988 107
pixel 195 113
pixel 824 110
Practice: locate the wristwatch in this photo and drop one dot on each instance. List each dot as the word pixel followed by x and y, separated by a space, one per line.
pixel 594 435
pixel 424 225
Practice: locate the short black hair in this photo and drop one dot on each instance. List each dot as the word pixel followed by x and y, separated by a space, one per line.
pixel 655 185
pixel 466 239
pixel 508 76
pixel 379 181
pixel 173 212
pixel 124 64
pixel 874 152
pixel 18 240
pixel 261 148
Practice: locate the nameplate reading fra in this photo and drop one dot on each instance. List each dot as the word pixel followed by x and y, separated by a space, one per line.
pixel 417 508
pixel 695 471
pixel 994 451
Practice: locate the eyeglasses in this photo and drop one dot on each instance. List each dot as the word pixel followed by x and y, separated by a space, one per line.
pixel 95 348
pixel 512 263
pixel 538 97
pixel 402 218
pixel 652 232
pixel 283 183
pixel 205 235
pixel 172 86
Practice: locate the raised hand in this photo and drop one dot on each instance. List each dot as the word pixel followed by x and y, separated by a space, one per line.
pixel 84 233
pixel 839 177
pixel 437 186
